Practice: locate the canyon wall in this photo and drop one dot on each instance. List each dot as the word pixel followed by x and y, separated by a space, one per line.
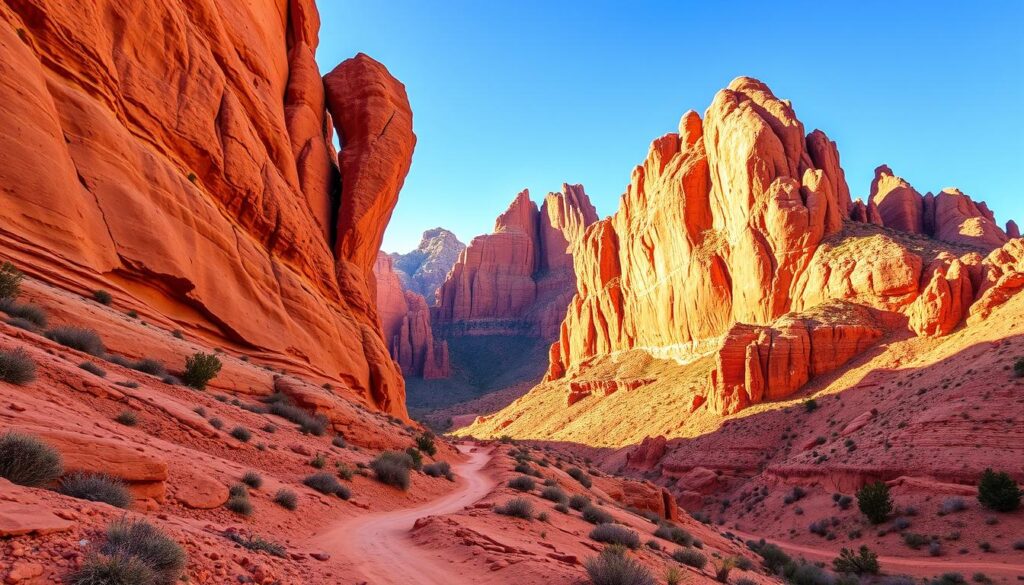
pixel 180 154
pixel 735 239
pixel 425 269
pixel 405 321
pixel 519 279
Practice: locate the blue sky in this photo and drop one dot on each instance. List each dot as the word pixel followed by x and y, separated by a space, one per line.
pixel 510 95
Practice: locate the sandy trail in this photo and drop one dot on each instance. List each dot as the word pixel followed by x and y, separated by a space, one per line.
pixel 917 567
pixel 379 545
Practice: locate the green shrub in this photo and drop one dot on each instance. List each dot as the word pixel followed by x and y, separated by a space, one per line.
pixel 554 494
pixel 143 541
pixel 425 443
pixel 309 424
pixel 615 534
pixel 253 542
pixel 338 441
pixel 863 562
pixel 772 557
pixel 113 570
pixel 563 508
pixel 810 405
pixel 102 297
pixel 34 314
pixel 690 557
pixel 874 502
pixel 80 338
pixel 613 567
pixel 580 476
pixel 579 501
pixel 127 418
pixel 439 469
pixel 523 483
pixel 242 434
pixel 200 368
pixel 10 281
pixel 287 499
pixel 93 369
pixel 96 487
pixel 674 534
pixel 252 479
pixel 998 491
pixel 595 515
pixel 25 460
pixel 517 507
pixel 238 500
pixel 1018 367
pixel 325 483
pixel 216 423
pixel 149 366
pixel 416 457
pixel 16 367
pixel 392 468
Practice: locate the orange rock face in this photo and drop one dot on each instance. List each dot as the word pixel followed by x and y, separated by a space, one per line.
pixel 191 157
pixel 405 320
pixel 518 279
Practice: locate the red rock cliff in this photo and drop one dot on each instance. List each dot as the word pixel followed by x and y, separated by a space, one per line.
pixel 179 153
pixel 405 320
pixel 735 238
pixel 518 279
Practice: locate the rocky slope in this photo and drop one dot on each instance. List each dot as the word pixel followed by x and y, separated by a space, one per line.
pixel 737 261
pixel 197 181
pixel 424 269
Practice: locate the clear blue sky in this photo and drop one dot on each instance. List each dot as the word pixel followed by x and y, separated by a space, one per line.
pixel 508 95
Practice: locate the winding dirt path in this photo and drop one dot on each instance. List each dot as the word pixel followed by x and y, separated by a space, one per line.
pixel 379 545
pixel 918 567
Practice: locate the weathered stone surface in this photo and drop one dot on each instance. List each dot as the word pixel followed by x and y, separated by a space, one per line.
pixel 201 491
pixel 424 269
pixel 405 320
pixel 18 519
pixel 189 149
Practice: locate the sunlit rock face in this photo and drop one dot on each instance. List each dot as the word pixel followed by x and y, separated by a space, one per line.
pixel 183 155
pixel 519 279
pixel 424 269
pixel 405 321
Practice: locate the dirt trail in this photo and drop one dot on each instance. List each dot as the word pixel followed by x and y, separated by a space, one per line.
pixel 918 567
pixel 379 545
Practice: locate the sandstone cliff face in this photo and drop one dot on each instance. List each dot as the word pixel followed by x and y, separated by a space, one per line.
pixel 424 269
pixel 405 321
pixel 517 280
pixel 179 154
pixel 737 225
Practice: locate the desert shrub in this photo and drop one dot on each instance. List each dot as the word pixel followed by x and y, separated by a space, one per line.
pixel 113 570
pixel 580 476
pixel 93 369
pixel 425 443
pixel 238 500
pixel 439 469
pixel 200 368
pixel 96 487
pixel 34 314
pixel 948 579
pixel 523 483
pixel 744 581
pixel 935 548
pixel 516 507
pixel 216 423
pixel 998 491
pixel 914 540
pixel 690 557
pixel 252 479
pixel 149 366
pixel 901 524
pixel 318 461
pixel 554 494
pixel 309 424
pixel 613 567
pixel 143 541
pixel 810 405
pixel 723 569
pixel 344 471
pixel 16 367
pixel 25 460
pixel 579 501
pixel 325 483
pixel 595 515
pixel 338 441
pixel 807 574
pixel 874 502
pixel 256 543
pixel 416 457
pixel 673 576
pixel 674 534
pixel 128 383
pixel 21 324
pixel 563 508
pixel 1018 367
pixel 287 499
pixel 863 562
pixel 80 338
pixel 615 534
pixel 10 281
pixel 795 495
pixel 543 517
pixel 242 434
pixel 772 557
pixel 392 468
pixel 128 418
pixel 102 297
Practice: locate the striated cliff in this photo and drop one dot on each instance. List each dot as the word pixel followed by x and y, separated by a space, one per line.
pixel 180 155
pixel 424 269
pixel 405 321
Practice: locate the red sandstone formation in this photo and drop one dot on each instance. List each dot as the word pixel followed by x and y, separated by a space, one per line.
pixel 405 321
pixel 518 279
pixel 424 269
pixel 197 182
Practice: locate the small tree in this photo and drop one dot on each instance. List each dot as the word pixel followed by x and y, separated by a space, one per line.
pixel 998 491
pixel 10 281
pixel 863 563
pixel 874 501
pixel 200 368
